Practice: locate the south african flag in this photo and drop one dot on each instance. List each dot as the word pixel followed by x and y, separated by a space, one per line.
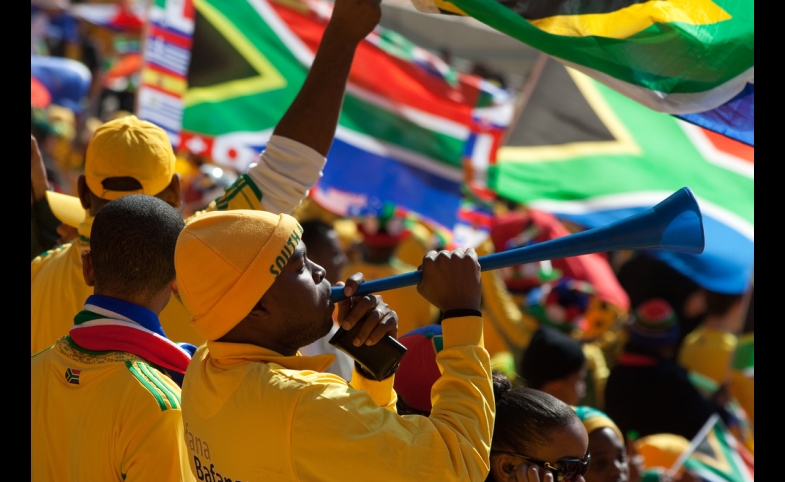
pixel 674 56
pixel 72 375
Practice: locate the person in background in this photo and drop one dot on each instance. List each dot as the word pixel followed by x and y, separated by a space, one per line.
pixel 610 461
pixel 127 156
pixel 709 349
pixel 648 392
pixel 103 404
pixel 322 243
pixel 43 223
pixel 536 437
pixel 572 307
pixel 554 363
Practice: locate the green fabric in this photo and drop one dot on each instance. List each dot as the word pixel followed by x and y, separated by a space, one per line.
pixel 146 383
pixel 671 57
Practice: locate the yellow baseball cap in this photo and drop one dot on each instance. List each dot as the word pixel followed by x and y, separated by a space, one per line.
pixel 67 209
pixel 129 147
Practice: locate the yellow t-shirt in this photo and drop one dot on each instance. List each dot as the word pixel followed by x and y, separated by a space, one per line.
pixel 107 416
pixel 286 170
pixel 412 309
pixel 252 414
pixel 709 352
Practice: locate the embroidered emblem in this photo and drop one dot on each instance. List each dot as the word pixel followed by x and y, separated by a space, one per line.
pixel 72 375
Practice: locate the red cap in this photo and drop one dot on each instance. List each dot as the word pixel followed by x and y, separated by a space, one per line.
pixel 418 370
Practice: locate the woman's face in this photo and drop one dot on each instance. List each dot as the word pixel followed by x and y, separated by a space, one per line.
pixel 608 457
pixel 568 443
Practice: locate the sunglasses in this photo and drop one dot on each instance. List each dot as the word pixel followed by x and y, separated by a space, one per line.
pixel 564 470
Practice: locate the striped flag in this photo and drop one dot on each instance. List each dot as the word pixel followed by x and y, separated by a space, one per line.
pixel 592 156
pixel 408 122
pixel 714 455
pixel 676 56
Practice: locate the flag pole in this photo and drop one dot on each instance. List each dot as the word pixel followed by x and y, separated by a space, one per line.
pixel 702 433
pixel 526 93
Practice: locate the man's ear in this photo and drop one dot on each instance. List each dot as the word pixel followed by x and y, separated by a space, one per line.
pixel 87 268
pixel 171 195
pixel 174 288
pixel 260 309
pixel 84 192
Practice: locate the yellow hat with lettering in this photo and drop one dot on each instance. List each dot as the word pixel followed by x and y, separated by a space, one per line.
pixel 129 147
pixel 227 260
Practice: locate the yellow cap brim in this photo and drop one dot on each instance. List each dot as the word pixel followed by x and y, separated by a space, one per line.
pixel 67 209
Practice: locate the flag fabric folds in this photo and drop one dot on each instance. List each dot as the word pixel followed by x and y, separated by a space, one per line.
pixel 678 57
pixel 408 119
pixel 734 119
pixel 714 455
pixel 592 156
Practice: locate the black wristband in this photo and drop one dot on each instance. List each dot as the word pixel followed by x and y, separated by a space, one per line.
pixel 459 313
pixel 365 374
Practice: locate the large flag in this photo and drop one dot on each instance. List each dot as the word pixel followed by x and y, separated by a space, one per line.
pixel 676 56
pixel 408 119
pixel 714 455
pixel 592 156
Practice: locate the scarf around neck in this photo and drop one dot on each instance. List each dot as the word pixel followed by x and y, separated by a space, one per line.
pixel 111 324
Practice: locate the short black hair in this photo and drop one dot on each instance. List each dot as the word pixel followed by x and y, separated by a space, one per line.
pixel 132 245
pixel 551 355
pixel 525 417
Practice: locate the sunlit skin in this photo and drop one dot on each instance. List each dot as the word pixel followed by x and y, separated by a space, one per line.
pixel 568 443
pixel 608 457
pixel 296 310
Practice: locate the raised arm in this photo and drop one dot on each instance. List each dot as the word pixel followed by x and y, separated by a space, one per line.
pixel 292 162
pixel 313 115
pixel 43 224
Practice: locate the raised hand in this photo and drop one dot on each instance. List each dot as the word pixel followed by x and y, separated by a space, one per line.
pixel 355 19
pixel 451 279
pixel 377 318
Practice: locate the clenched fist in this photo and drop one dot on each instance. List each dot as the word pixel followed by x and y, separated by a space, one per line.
pixel 451 279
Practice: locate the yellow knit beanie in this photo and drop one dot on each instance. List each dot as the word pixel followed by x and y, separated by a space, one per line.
pixel 227 260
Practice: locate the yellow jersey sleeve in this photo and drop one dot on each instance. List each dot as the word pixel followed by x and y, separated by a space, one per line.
pixel 381 392
pixel 57 293
pixel 452 444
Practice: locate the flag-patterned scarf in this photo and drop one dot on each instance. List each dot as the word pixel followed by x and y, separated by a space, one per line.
pixel 108 323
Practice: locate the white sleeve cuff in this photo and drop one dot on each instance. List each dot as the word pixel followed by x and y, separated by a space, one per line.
pixel 286 171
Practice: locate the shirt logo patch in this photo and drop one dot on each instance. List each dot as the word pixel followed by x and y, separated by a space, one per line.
pixel 72 375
